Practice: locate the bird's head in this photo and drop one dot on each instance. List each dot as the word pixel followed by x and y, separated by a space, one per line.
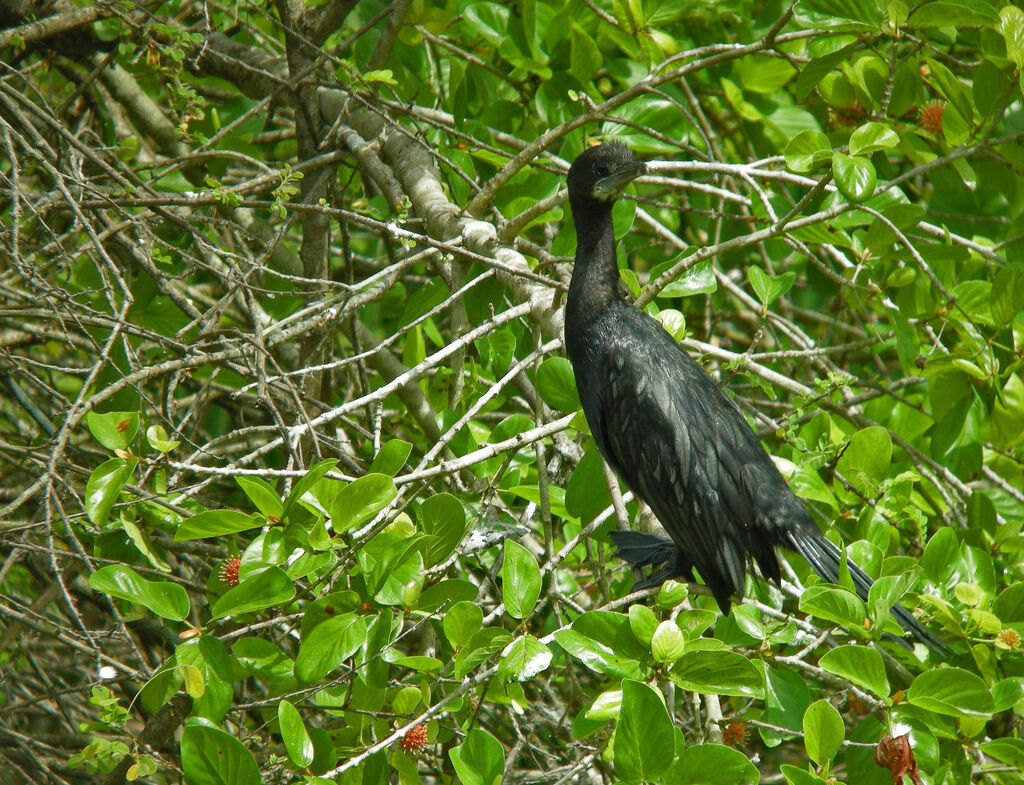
pixel 601 173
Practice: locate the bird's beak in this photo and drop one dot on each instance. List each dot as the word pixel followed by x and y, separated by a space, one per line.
pixel 611 186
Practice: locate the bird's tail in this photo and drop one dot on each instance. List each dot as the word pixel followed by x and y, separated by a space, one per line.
pixel 825 557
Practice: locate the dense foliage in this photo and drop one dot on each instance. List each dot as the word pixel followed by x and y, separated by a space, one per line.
pixel 295 486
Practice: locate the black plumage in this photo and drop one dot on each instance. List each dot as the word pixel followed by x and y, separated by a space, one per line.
pixel 667 430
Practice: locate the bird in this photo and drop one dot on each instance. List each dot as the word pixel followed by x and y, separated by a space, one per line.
pixel 668 431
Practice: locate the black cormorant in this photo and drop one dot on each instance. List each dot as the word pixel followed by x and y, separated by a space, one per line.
pixel 667 430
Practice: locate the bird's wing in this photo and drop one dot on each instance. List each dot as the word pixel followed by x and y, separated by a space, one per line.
pixel 686 450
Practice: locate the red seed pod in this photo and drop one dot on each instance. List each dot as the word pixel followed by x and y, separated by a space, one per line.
pixel 930 116
pixel 414 738
pixel 229 569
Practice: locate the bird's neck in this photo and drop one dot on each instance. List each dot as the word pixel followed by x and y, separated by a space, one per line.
pixel 595 276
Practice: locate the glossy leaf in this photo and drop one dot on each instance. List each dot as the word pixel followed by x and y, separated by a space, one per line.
pixel 855 177
pixel 557 385
pixel 211 756
pixel 104 487
pixel 360 500
pixel 643 735
pixel 871 137
pixel 823 732
pixel 834 604
pixel 951 691
pixel 860 665
pixel 521 580
pixel 114 430
pixel 769 288
pixel 296 738
pixel 307 481
pixel 718 672
pixel 479 760
pixel 263 589
pixel 523 659
pixel 166 599
pixel 806 149
pixel 262 495
pixel 712 764
pixel 443 518
pixel 216 523
pixel 328 645
pixel 461 622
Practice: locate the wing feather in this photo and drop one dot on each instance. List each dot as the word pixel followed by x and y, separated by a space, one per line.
pixel 687 451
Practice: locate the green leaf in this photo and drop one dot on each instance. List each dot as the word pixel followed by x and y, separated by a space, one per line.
pixel 643 622
pixel 446 592
pixel 419 663
pixel 216 523
pixel 483 644
pixel 643 735
pixel 871 137
pixel 858 665
pixel 479 760
pixel 157 437
pixel 1011 25
pixel 786 697
pixel 950 87
pixel 761 74
pixel 329 644
pixel 105 485
pixel 297 741
pixel 599 657
pixel 207 665
pixel 263 589
pixel 769 288
pixel 826 53
pixel 606 706
pixel 698 279
pixel 523 659
pixel 612 630
pixel 834 604
pixel 114 430
pixel 940 14
pixel 839 15
pixel 941 556
pixel 556 384
pixel 391 458
pixel 461 622
pixel 167 600
pixel 142 541
pixel 306 483
pixel 360 500
pixel 795 776
pixel 587 495
pixel 806 149
pixel 823 732
pixel 443 518
pixel 406 700
pixel 211 756
pixel 712 764
pixel 865 460
pixel 521 580
pixel 1009 751
pixel 1007 298
pixel 668 642
pixel 951 691
pixel 263 496
pixel 855 177
pixel 718 673
pixel 584 55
